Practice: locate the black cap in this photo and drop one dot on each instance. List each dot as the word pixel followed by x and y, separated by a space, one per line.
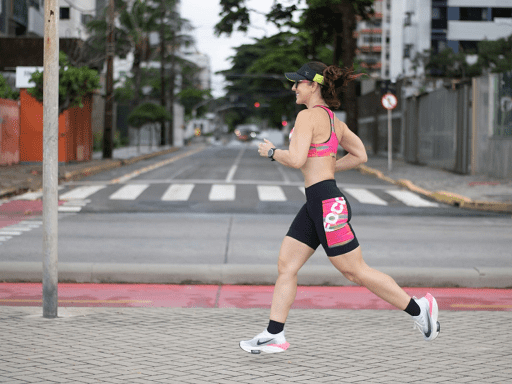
pixel 305 73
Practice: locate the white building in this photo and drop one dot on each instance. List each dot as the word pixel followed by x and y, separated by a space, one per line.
pixel 409 27
pixel 74 15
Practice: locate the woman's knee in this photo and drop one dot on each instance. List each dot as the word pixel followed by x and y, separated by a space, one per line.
pixel 353 270
pixel 287 268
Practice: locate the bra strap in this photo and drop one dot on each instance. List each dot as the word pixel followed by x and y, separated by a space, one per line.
pixel 329 112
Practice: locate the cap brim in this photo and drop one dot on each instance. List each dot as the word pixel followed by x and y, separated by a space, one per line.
pixel 294 76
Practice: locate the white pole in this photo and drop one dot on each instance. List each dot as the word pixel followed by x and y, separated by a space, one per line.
pixel 390 142
pixel 50 157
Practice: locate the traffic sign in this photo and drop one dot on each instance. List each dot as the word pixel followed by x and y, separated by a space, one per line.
pixel 389 101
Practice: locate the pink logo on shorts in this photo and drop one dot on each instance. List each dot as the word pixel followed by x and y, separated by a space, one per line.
pixel 337 230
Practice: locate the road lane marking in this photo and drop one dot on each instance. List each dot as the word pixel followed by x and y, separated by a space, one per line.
pixel 178 192
pixel 234 167
pixel 152 167
pixel 411 199
pixel 129 192
pixel 81 193
pixel 270 193
pixel 10 233
pixel 364 196
pixel 222 192
pixel 69 209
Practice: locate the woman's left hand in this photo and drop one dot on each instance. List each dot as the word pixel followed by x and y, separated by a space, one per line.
pixel 264 147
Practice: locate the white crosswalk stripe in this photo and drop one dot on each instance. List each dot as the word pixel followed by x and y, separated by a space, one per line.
pixel 129 192
pixel 364 196
pixel 18 229
pixel 411 199
pixel 222 192
pixel 178 192
pixel 81 193
pixel 271 193
pixel 76 198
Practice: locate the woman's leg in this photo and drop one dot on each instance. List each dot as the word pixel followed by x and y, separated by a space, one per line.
pixel 354 268
pixel 292 256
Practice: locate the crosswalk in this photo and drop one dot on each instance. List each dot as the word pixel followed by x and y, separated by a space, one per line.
pixel 74 198
pixel 10 231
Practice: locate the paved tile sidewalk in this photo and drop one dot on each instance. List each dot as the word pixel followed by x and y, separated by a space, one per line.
pixel 175 345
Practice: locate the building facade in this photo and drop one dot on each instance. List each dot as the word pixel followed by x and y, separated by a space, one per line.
pixel 461 24
pixel 411 27
pixel 370 41
pixel 25 18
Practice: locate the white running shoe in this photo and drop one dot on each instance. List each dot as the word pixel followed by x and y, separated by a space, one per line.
pixel 266 342
pixel 426 322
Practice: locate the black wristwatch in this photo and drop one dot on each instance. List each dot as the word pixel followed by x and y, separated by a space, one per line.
pixel 271 152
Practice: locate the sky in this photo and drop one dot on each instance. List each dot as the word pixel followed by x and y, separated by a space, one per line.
pixel 204 14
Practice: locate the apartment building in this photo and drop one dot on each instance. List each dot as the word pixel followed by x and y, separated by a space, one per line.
pixel 461 24
pixel 370 41
pixel 402 29
pixel 25 18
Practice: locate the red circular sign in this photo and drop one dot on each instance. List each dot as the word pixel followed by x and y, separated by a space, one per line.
pixel 389 101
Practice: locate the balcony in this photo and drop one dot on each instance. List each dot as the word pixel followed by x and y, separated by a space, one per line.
pixel 479 30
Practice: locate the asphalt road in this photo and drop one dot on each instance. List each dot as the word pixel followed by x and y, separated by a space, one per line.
pixel 100 224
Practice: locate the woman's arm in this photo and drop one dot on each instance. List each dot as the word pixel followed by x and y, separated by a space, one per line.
pixel 297 153
pixel 355 148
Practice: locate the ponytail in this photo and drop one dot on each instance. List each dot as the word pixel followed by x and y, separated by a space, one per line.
pixel 336 80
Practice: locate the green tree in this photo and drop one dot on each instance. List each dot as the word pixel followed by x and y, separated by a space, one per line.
pixel 194 99
pixel 147 113
pixel 74 84
pixel 496 56
pixel 328 22
pixel 5 90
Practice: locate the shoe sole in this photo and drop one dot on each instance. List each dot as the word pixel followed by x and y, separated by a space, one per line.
pixel 265 349
pixel 435 326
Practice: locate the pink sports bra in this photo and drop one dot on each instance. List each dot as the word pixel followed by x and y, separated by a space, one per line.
pixel 330 147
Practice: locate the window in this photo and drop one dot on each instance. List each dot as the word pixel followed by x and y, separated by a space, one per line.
pixel 64 13
pixel 472 14
pixel 408 50
pixel 501 12
pixel 86 19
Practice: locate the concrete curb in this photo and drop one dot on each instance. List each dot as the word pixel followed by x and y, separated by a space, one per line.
pixel 241 274
pixel 441 196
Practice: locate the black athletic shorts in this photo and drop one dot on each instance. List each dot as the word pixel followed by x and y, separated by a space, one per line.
pixel 324 219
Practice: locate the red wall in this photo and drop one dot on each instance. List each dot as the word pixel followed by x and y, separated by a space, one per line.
pixel 75 132
pixel 9 132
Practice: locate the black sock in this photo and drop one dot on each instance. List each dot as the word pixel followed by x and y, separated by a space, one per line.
pixel 413 308
pixel 275 327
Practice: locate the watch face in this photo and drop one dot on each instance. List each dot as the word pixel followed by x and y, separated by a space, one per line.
pixel 271 152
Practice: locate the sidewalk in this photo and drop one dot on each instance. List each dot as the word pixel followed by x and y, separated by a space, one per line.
pixel 200 346
pixel 466 191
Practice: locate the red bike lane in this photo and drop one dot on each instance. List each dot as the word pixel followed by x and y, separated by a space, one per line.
pixel 236 296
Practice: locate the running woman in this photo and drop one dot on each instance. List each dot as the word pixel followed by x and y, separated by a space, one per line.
pixel 325 218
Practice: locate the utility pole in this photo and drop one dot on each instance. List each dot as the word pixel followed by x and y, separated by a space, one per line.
pixel 109 95
pixel 50 158
pixel 163 99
